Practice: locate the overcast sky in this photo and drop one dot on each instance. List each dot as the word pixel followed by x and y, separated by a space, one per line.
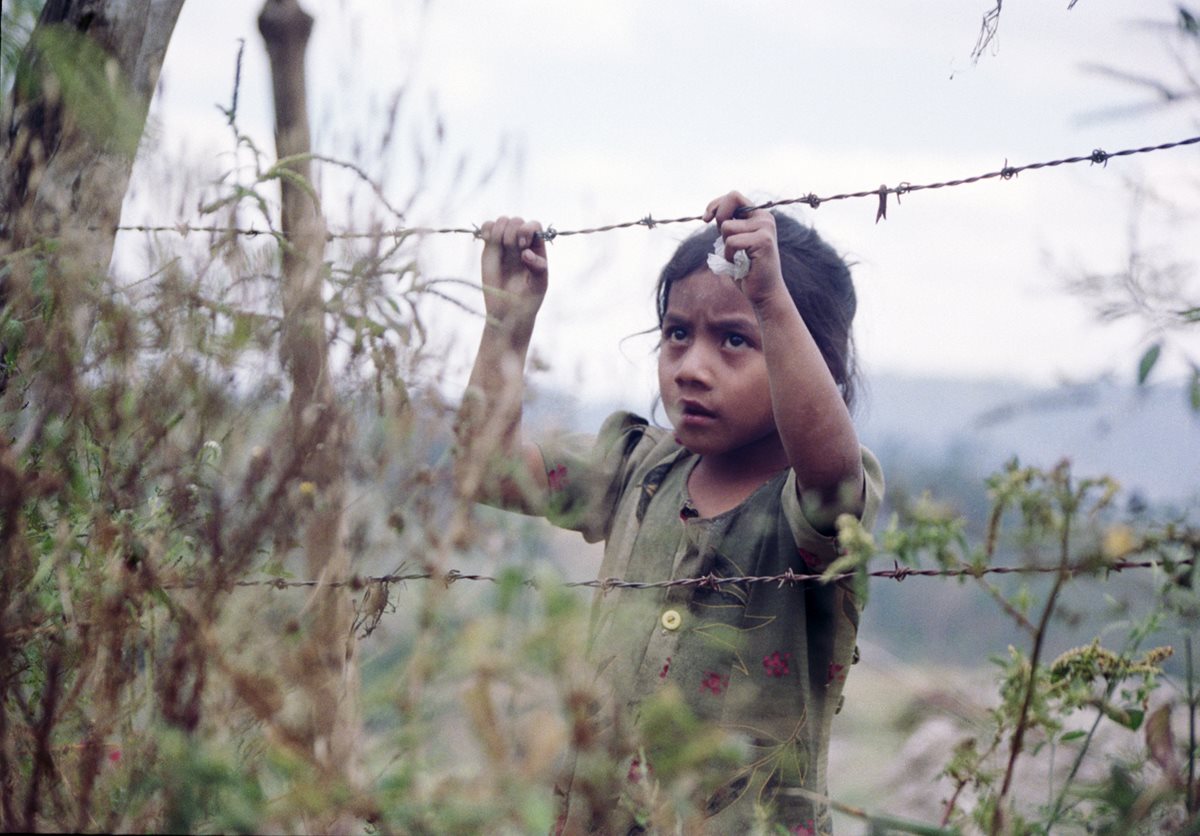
pixel 600 112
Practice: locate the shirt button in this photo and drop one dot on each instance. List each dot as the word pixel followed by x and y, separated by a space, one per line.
pixel 671 620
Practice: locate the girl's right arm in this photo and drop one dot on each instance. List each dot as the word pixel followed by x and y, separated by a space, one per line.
pixel 493 462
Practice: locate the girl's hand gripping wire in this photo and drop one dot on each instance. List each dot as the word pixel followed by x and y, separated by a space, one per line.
pixel 515 274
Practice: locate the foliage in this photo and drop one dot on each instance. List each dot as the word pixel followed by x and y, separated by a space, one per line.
pixel 152 621
pixel 148 469
pixel 1067 528
pixel 16 25
pixel 1161 296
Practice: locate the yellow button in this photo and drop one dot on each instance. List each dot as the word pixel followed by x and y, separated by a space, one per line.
pixel 671 619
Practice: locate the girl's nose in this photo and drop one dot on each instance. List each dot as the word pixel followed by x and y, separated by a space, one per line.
pixel 693 367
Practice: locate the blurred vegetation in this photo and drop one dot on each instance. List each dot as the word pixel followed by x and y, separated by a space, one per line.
pixel 1161 295
pixel 16 25
pixel 150 505
pixel 1069 529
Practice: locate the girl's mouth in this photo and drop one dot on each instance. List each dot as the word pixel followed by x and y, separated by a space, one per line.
pixel 693 413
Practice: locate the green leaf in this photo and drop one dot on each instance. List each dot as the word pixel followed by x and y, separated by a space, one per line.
pixel 45 567
pixel 12 333
pixel 1146 364
pixel 510 583
pixel 1188 22
pixel 98 99
pixel 243 329
pixel 275 569
pixel 1194 390
pixel 1190 314
pixel 363 324
pixel 1072 735
pixel 1130 718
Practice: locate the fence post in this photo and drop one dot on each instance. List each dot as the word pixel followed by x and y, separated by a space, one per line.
pixel 328 662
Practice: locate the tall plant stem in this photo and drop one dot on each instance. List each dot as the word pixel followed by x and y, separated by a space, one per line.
pixel 1062 794
pixel 1035 658
pixel 1193 699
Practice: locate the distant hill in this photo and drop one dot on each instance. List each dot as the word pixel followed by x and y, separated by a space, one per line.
pixel 1146 437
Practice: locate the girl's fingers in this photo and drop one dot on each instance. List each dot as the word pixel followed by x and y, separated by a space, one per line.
pixel 717 210
pixel 511 232
pixel 749 244
pixel 758 224
pixel 520 234
pixel 501 232
pixel 755 234
pixel 514 241
pixel 533 261
pixel 739 226
pixel 722 208
pixel 527 237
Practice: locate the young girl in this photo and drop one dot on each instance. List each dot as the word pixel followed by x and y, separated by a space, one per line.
pixel 756 377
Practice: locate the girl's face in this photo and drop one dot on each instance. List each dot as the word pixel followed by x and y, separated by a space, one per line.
pixel 712 372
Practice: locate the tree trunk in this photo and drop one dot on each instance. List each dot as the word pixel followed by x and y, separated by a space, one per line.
pixel 72 125
pixel 63 170
pixel 319 428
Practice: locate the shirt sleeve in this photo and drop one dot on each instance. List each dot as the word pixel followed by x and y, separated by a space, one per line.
pixel 818 550
pixel 587 474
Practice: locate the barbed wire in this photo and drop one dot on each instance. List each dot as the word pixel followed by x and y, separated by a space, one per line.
pixel 1008 172
pixel 899 573
pixel 709 581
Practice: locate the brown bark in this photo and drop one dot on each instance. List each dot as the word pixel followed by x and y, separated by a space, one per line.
pixel 62 172
pixel 69 148
pixel 327 661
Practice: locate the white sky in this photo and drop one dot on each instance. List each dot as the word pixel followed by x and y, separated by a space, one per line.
pixel 611 110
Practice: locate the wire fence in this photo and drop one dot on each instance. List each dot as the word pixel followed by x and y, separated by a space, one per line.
pixel 813 201
pixel 881 194
pixel 712 581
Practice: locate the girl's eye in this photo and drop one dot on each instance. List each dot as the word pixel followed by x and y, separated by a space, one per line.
pixel 736 341
pixel 674 334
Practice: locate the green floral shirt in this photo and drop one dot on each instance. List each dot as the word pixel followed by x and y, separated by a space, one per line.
pixel 766 662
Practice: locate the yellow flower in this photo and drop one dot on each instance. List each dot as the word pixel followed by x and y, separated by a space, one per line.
pixel 308 494
pixel 1118 542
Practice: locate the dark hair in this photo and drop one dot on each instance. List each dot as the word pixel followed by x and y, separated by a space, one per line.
pixel 816 277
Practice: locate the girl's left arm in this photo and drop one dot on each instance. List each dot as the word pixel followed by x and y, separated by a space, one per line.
pixel 812 418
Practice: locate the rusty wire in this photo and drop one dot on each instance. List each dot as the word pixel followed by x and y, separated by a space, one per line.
pixel 813 201
pixel 711 581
